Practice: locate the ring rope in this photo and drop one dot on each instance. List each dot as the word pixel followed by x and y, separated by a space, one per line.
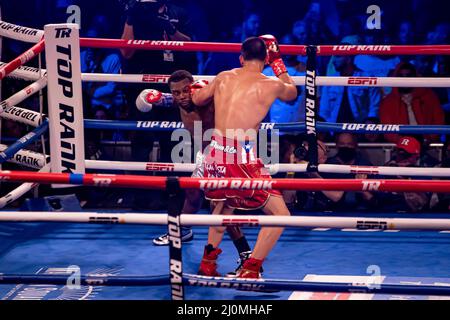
pixel 22 59
pixel 140 181
pixel 23 142
pixel 260 285
pixel 37 160
pixel 9 109
pixel 298 127
pixel 310 222
pixel 34 35
pixel 21 190
pixel 30 73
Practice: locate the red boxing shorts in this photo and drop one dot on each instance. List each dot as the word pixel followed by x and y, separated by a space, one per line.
pixel 229 158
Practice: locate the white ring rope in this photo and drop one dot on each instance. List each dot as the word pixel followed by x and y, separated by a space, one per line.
pixel 36 160
pixel 9 110
pixel 25 73
pixel 20 33
pixel 27 158
pixel 361 223
pixel 29 73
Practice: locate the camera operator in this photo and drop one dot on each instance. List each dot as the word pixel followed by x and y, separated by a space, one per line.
pixel 155 20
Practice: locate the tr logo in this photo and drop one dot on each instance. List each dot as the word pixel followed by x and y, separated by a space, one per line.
pixel 63 32
pixel 371 185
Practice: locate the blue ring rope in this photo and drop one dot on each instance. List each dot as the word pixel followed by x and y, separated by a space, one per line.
pixel 20 144
pixel 262 285
pixel 285 127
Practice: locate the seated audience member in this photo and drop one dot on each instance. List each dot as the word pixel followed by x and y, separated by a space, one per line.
pixel 441 201
pixel 406 154
pixel 348 104
pixel 371 137
pixel 410 106
pixel 94 60
pixel 292 111
pixel 313 200
pixel 347 154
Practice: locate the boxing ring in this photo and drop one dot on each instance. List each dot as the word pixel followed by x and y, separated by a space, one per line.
pixel 37 247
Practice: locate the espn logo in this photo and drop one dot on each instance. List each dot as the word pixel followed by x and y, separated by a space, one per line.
pixel 155 78
pixel 364 81
pixel 159 167
pixel 240 222
pixel 371 225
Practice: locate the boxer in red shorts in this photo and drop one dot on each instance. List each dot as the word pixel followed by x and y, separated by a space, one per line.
pixel 242 98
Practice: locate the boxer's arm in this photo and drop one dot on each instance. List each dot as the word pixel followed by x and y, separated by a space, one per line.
pixel 149 98
pixel 202 92
pixel 288 89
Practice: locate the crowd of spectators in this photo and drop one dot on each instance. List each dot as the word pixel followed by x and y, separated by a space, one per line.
pixel 308 22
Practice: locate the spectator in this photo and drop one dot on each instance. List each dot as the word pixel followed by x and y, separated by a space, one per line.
pixel 96 94
pixel 218 62
pixel 440 34
pixel 347 154
pixel 348 104
pixel 292 111
pixel 441 201
pixel 413 106
pixel 442 68
pixel 298 36
pixel 406 35
pixel 407 154
pixel 372 137
pixel 313 200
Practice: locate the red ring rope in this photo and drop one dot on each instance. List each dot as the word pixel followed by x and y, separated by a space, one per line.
pixel 139 181
pixel 327 50
pixel 22 59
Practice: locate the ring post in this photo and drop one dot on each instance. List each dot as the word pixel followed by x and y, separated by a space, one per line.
pixel 65 106
pixel 311 109
pixel 175 248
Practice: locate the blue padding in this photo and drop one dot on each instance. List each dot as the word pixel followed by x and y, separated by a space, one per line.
pixel 53 203
pixel 76 178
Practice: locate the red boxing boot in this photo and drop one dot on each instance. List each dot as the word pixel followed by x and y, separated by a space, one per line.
pixel 250 269
pixel 208 266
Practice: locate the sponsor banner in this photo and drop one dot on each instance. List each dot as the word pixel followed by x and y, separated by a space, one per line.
pixel 62 52
pixel 370 127
pixel 362 48
pixel 156 43
pixel 16 32
pixel 28 117
pixel 253 184
pixel 311 108
pixel 27 158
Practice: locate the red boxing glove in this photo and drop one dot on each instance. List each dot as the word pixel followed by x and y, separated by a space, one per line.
pixel 197 85
pixel 274 55
pixel 150 97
